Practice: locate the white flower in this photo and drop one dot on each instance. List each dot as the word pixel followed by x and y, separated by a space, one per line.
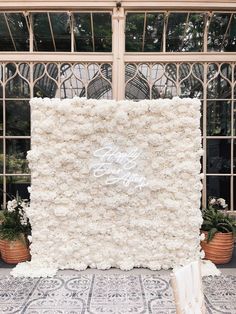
pixel 212 201
pixel 23 220
pixel 202 237
pixel 11 205
pixel 222 202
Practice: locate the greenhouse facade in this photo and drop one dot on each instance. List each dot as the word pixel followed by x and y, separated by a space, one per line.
pixel 120 50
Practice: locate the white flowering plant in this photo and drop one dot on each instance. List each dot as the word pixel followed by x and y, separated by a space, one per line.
pixel 15 224
pixel 217 203
pixel 214 220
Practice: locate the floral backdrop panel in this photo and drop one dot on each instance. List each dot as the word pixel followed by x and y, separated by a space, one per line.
pixel 114 184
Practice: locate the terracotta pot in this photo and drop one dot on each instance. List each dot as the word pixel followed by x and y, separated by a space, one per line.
pixel 14 252
pixel 220 249
pixel 1 243
pixel 1 246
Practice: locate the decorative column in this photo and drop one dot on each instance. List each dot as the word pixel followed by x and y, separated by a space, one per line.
pixel 118 49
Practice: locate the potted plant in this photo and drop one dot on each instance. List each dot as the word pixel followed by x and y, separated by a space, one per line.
pixel 1 220
pixel 219 229
pixel 14 229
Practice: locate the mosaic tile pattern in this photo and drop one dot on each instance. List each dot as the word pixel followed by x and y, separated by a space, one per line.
pixel 107 294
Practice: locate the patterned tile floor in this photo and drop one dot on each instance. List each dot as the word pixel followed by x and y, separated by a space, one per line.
pixel 107 292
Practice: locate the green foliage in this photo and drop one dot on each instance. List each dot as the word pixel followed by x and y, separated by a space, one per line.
pixel 1 215
pixel 17 118
pixel 102 32
pixel 216 221
pixel 134 31
pixel 17 163
pixel 221 34
pixel 14 222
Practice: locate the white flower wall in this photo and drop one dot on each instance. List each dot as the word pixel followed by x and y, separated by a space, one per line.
pixel 114 184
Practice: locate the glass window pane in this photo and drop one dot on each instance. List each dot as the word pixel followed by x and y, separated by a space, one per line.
pixel 144 33
pixel 218 156
pixel 234 118
pixel 175 31
pixel 234 194
pixel 6 43
pixel 17 117
pixel 12 69
pixel 153 40
pixel 102 31
pixel 219 186
pixel 1 118
pixel 17 76
pixel 42 34
pixel 100 82
pixel 138 87
pixel 83 32
pixel 71 84
pixel 52 31
pixel 16 151
pixel 218 118
pixel 165 85
pixel 222 32
pixel 61 31
pixel 18 184
pixel 185 31
pixel 17 87
pixel 46 77
pixel 234 165
pixel 138 77
pixel 191 84
pixel 219 78
pixel 234 81
pixel 134 31
pixel 19 31
pixel 201 119
pixel 1 156
pixel 1 192
pixel 1 79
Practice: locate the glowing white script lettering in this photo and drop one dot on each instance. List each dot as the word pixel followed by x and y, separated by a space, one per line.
pixel 117 166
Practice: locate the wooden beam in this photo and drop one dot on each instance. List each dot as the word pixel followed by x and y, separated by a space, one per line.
pixel 142 57
pixel 55 57
pixel 180 57
pixel 108 4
